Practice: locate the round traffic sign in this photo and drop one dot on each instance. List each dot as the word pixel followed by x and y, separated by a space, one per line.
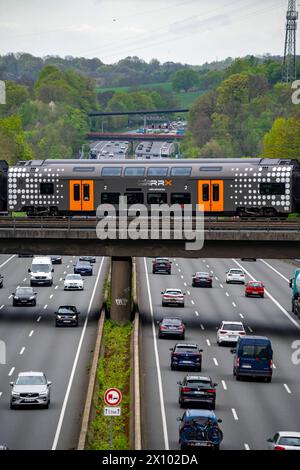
pixel 113 397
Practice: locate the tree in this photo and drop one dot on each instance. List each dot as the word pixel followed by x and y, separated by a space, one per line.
pixel 185 80
pixel 283 140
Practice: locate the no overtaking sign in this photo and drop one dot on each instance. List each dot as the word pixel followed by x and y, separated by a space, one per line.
pixel 112 397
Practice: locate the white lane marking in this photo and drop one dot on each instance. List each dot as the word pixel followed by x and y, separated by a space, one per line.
pixel 275 270
pixel 202 327
pixel 284 311
pixel 207 266
pixel 45 306
pixel 241 315
pixel 216 278
pixel 204 261
pixel 216 362
pixel 233 304
pixel 1 307
pixel 56 287
pixel 185 284
pixel 22 351
pixel 179 270
pixel 39 319
pixel 227 295
pixel 177 265
pixel 25 279
pixel 247 447
pixel 10 296
pixel 11 371
pixel 65 272
pixel 197 313
pixel 0 394
pixel 51 296
pixel 60 279
pixel 31 333
pixel 188 292
pixel 64 406
pixel 287 389
pixel 221 285
pixel 208 342
pixel 182 277
pixel 224 384
pixel 160 387
pixel 235 414
pixel 250 329
pixel 274 367
pixel 68 266
pixel 7 261
pixel 211 272
pixel 192 302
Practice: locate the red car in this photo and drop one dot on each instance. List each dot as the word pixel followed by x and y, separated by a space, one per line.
pixel 255 288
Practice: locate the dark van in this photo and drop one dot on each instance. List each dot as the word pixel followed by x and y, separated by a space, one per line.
pixel 253 357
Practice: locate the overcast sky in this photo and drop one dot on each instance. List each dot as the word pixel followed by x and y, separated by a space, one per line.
pixel 187 31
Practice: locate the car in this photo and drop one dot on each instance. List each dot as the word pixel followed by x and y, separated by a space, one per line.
pixel 297 305
pixel 284 440
pixel 84 268
pixel 66 315
pixel 249 259
pixel 170 327
pixel 186 356
pixel 199 428
pixel 56 259
pixel 202 280
pixel 1 281
pixel 3 447
pixel 236 276
pixel 230 332
pixel 90 259
pixel 173 297
pixel 24 296
pixel 255 288
pixel 30 388
pixel 161 265
pixel 253 357
pixel 197 390
pixel 73 282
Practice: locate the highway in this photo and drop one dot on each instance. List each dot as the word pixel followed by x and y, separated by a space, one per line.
pixel 106 150
pixel 154 149
pixel 251 411
pixel 63 354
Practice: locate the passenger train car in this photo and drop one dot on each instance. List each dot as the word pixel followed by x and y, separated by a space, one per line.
pixel 230 187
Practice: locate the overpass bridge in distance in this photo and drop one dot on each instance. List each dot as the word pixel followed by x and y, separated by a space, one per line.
pixel 133 137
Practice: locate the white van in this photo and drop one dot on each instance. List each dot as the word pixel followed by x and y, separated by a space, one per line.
pixel 41 271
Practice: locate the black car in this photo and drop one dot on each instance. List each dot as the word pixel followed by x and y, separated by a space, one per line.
pixel 197 390
pixel 1 281
pixel 186 356
pixel 200 428
pixel 84 268
pixel 66 315
pixel 161 265
pixel 24 296
pixel 90 259
pixel 170 327
pixel 56 259
pixel 202 280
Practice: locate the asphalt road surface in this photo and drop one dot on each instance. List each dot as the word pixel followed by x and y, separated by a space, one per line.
pixel 251 411
pixel 63 354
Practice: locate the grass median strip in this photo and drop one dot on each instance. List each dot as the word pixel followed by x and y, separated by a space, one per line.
pixel 113 371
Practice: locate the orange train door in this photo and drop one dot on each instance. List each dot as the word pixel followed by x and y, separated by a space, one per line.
pixel 211 195
pixel 81 195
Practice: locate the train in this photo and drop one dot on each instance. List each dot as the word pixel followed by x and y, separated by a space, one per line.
pixel 252 187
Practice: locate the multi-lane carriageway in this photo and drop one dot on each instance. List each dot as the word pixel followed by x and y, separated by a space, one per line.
pixel 64 354
pixel 251 411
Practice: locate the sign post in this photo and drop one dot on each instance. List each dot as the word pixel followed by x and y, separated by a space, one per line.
pixel 112 398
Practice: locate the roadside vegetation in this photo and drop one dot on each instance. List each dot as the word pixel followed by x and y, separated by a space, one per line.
pixel 113 371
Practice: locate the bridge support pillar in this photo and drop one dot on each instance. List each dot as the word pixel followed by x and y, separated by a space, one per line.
pixel 121 278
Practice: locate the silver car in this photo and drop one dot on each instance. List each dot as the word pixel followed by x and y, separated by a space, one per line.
pixel 285 441
pixel 30 388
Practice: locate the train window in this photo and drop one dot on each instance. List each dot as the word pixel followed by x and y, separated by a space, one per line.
pixel 181 171
pixel 76 192
pixel 157 198
pixel 111 171
pixel 163 171
pixel 135 198
pixel 86 169
pixel 86 192
pixel 134 171
pixel 205 193
pixel 211 168
pixel 216 193
pixel 180 198
pixel 47 189
pixel 110 198
pixel 272 189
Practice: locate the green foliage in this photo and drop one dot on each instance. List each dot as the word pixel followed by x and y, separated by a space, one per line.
pixel 283 140
pixel 113 371
pixel 13 142
pixel 185 80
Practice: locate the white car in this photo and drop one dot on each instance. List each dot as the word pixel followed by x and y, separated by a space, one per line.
pixel 173 297
pixel 73 282
pixel 236 276
pixel 285 441
pixel 230 332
